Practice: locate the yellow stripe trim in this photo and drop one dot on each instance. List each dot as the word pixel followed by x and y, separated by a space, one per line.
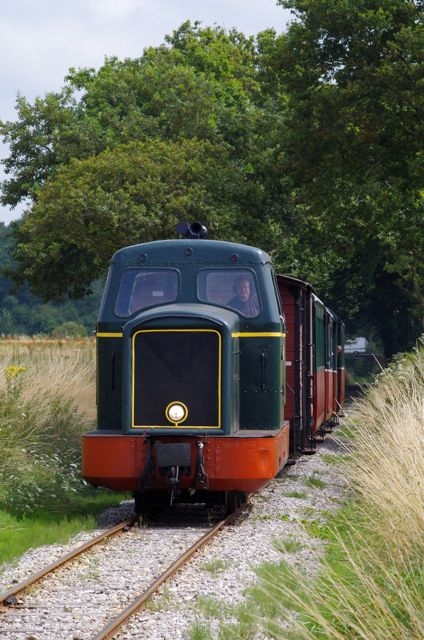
pixel 109 335
pixel 258 334
pixel 237 334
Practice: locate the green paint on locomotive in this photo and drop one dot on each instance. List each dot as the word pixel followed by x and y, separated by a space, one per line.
pixel 170 324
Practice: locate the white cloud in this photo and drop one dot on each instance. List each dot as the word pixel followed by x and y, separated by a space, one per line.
pixel 112 9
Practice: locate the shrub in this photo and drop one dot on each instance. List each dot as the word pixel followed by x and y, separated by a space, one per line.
pixel 47 399
pixel 69 330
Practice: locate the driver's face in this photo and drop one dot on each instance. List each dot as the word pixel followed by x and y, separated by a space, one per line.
pixel 243 290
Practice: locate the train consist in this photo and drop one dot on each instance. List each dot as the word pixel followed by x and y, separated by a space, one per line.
pixel 213 371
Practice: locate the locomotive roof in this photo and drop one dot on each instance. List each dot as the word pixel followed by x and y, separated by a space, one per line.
pixel 194 249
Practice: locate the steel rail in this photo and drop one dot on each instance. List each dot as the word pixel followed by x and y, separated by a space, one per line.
pixel 35 577
pixel 117 622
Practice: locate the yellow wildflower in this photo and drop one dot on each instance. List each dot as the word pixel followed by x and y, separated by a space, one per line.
pixel 13 370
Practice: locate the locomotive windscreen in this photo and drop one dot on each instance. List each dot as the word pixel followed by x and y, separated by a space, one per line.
pixel 176 379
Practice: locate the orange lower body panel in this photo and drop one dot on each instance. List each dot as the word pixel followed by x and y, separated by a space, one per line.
pixel 231 463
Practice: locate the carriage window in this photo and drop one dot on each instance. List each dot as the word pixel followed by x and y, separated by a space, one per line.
pixel 235 289
pixel 141 289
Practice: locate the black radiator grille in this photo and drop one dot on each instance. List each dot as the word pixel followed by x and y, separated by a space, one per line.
pixel 176 365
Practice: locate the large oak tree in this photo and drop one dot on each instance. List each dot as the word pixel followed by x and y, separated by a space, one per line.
pixel 123 153
pixel 354 74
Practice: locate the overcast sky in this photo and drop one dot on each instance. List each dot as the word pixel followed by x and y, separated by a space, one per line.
pixel 40 40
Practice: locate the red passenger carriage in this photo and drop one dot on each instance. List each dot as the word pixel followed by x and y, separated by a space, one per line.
pixel 314 363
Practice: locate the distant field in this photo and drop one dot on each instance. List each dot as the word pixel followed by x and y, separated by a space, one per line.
pixel 44 367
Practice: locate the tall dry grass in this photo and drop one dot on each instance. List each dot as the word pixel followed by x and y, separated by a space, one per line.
pixel 371 586
pixel 64 368
pixel 47 400
pixel 386 469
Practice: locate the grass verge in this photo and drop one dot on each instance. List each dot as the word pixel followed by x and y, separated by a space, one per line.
pixel 18 535
pixel 47 400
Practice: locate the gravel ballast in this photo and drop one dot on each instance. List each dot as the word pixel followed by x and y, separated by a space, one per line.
pixel 77 603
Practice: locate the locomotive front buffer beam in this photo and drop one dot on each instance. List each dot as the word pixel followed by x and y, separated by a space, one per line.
pixel 172 460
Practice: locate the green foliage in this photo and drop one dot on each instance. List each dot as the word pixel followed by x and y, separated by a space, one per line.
pixel 107 207
pixel 32 141
pixel 38 467
pixel 318 528
pixel 199 632
pixel 367 592
pixel 23 313
pixel 198 87
pixel 139 145
pixel 44 526
pixel 288 545
pixel 211 607
pixel 361 370
pixel 214 567
pixel 315 481
pixel 301 495
pixel 39 444
pixel 307 144
pixel 69 330
pixel 17 536
pixel 354 73
pixel 43 498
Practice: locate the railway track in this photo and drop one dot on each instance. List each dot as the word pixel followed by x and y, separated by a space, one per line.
pixel 59 589
pixel 8 598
